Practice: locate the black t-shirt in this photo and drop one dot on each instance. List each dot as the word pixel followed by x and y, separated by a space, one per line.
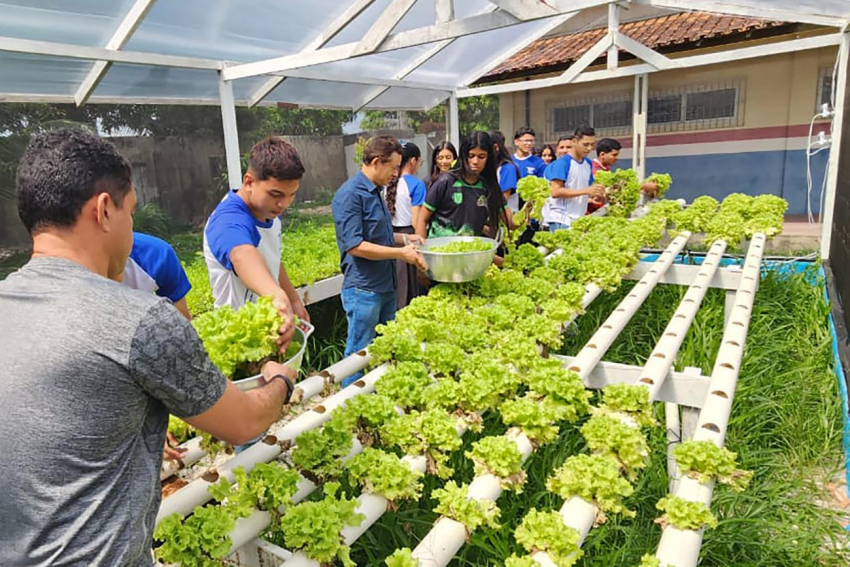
pixel 457 207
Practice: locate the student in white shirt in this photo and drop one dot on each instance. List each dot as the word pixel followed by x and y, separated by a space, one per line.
pixel 571 181
pixel 405 196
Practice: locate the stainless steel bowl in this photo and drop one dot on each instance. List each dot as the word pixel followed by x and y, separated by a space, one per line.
pixel 457 267
pixel 302 333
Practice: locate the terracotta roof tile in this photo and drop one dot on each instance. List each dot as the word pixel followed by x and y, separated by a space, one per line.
pixel 668 30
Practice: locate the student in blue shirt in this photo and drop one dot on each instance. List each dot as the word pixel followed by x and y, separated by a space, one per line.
pixel 367 245
pixel 153 267
pixel 507 172
pixel 528 163
pixel 242 236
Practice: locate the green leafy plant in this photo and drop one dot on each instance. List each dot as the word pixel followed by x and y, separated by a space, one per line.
pixel 462 246
pixel 705 461
pixel 662 181
pixel 181 430
pixel 379 472
pixel 649 560
pixel 517 561
pixel 401 558
pixel 595 478
pixel 318 453
pixel 629 399
pixel 201 540
pixel 533 191
pixel 610 436
pixel 405 384
pixel 536 417
pixel 315 527
pixel 366 414
pixel 500 457
pixel 454 502
pixel 526 258
pixel 232 338
pixel 431 433
pixel 622 190
pixel 684 514
pixel 545 531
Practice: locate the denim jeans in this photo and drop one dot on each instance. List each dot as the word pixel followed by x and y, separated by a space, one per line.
pixel 553 226
pixel 364 310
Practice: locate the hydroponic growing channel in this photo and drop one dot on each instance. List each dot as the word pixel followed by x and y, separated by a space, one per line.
pixel 413 380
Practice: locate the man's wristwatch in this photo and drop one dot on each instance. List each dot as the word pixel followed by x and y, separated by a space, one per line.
pixel 290 387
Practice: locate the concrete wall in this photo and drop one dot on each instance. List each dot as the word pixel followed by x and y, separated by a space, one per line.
pixel 761 150
pixel 184 177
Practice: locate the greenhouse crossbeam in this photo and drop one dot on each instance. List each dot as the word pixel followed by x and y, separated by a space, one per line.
pixel 681 547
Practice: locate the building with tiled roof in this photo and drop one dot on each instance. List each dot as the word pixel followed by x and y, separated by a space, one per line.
pixel 738 126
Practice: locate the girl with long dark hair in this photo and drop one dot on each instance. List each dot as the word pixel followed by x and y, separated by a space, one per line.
pixel 405 195
pixel 442 160
pixel 548 154
pixel 466 200
pixel 507 172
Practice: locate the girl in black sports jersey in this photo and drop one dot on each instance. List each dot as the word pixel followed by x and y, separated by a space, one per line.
pixel 466 200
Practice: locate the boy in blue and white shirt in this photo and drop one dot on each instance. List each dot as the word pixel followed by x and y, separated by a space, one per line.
pixel 524 158
pixel 242 235
pixel 571 181
pixel 153 267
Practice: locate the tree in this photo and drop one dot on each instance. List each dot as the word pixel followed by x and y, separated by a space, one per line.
pixel 475 113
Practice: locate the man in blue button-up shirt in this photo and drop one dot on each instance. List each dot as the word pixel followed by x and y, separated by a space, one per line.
pixel 368 247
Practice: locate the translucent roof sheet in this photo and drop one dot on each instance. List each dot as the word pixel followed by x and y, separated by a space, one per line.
pixel 230 32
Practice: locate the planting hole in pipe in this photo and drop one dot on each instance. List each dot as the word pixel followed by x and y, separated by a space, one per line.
pixel 689 300
pixel 659 355
pixel 738 323
pixel 270 440
pixel 649 381
pixel 733 343
pixel 591 345
pixel 727 365
pixel 621 310
pixel 720 394
pixel 670 334
pixel 643 283
pixel 325 374
pixel 632 296
pixel 681 316
pixel 210 476
pixel 360 384
pixel 607 327
pixel 574 369
pixel 319 409
pixel 742 306
pixel 361 352
pixel 711 427
pixel 697 287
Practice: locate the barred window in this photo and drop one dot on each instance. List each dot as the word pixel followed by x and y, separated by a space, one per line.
pixel 721 103
pixel 612 114
pixel 568 118
pixel 664 109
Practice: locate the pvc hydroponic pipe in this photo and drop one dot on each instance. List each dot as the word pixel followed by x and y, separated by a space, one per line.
pixel 661 360
pixel 681 547
pixel 372 506
pixel 447 536
pixel 308 388
pixel 196 492
pixel 601 341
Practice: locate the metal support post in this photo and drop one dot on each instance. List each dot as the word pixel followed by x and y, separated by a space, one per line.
pixel 835 150
pixel 639 125
pixel 231 133
pixel 454 121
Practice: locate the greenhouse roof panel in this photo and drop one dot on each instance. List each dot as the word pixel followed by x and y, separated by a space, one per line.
pixel 353 52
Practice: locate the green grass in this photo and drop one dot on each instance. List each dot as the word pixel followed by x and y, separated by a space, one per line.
pixel 786 426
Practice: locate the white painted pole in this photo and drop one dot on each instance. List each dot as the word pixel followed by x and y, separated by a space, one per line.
pixel 639 121
pixel 613 28
pixel 828 211
pixel 231 133
pixel 454 121
pixel 681 547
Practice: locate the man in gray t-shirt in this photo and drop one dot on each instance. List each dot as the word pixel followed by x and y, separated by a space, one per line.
pixel 90 369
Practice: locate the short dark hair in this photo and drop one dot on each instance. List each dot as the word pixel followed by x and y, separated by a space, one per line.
pixel 523 131
pixel 382 147
pixel 61 170
pixel 582 131
pixel 277 158
pixel 607 145
pixel 568 138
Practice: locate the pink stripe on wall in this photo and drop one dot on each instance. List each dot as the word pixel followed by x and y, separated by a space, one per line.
pixel 729 135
